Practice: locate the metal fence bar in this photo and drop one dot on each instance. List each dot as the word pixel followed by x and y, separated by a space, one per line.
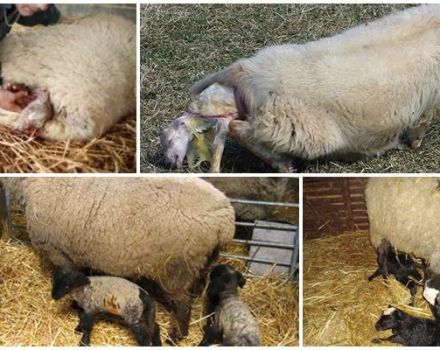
pixel 246 258
pixel 252 202
pixel 264 244
pixel 293 228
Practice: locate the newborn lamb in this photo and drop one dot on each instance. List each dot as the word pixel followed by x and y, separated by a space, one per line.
pixel 408 330
pixel 401 265
pixel 232 323
pixel 100 295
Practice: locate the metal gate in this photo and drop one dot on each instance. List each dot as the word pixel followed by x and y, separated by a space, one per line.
pixel 260 242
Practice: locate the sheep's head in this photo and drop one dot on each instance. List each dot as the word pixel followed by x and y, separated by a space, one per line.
pixel 193 132
pixel 389 319
pixel 66 280
pixel 224 280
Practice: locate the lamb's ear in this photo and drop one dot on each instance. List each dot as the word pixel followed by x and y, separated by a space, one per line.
pixel 241 279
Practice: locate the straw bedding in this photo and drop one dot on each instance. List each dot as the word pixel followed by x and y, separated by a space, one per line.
pixel 340 306
pixel 114 152
pixel 28 316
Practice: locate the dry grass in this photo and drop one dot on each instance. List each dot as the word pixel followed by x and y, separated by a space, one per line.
pixel 340 306
pixel 29 317
pixel 182 43
pixel 114 152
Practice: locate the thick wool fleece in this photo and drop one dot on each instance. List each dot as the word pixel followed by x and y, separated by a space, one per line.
pixel 88 67
pixel 355 92
pixel 405 211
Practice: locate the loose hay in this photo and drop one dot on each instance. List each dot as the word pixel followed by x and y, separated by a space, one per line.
pixel 115 152
pixel 340 306
pixel 28 316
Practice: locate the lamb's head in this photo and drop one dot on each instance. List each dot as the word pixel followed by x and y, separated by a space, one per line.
pixel 192 133
pixel 65 280
pixel 389 319
pixel 224 280
pixel 175 139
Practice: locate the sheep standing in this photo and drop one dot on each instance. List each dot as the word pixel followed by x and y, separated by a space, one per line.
pixel 164 232
pixel 86 70
pixel 405 212
pixel 232 323
pixel 341 95
pixel 108 295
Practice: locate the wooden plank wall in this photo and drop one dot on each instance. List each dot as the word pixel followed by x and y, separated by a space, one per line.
pixel 333 206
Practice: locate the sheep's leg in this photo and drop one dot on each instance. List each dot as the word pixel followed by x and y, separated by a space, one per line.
pixel 377 273
pixel 242 132
pixel 218 146
pixel 211 335
pixel 86 322
pixel 156 335
pixel 180 321
pixel 413 136
pixel 141 335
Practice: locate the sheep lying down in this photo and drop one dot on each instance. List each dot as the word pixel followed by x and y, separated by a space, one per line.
pixel 342 97
pixel 79 77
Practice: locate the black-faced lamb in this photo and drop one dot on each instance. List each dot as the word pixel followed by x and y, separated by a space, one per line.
pixel 232 323
pixel 408 330
pixel 81 76
pixel 337 96
pixel 401 265
pixel 100 295
pixel 162 232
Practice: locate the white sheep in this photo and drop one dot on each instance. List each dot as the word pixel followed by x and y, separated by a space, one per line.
pixel 85 70
pixel 360 92
pixel 163 233
pixel 405 212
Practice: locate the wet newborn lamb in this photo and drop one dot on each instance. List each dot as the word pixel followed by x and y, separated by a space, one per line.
pixel 401 265
pixel 100 295
pixel 232 323
pixel 408 330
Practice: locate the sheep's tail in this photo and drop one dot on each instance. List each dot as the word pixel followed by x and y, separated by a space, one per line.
pixel 227 77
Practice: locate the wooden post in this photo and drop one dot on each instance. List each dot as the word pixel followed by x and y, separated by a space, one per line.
pixel 4 217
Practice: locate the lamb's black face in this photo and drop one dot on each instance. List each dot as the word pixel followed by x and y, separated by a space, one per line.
pixel 65 280
pixel 225 278
pixel 388 319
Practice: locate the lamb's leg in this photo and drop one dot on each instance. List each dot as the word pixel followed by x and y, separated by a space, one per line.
pixel 140 333
pixel 377 273
pixel 211 335
pixel 86 322
pixel 242 132
pixel 218 146
pixel 411 285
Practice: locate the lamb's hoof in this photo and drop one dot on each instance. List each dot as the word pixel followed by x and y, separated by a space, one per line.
pixel 416 143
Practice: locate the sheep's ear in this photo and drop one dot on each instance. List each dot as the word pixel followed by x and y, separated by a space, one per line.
pixel 241 279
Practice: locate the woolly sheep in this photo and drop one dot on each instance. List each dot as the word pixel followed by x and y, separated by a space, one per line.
pixel 404 211
pixel 408 330
pixel 401 265
pixel 116 296
pixel 165 232
pixel 360 92
pixel 86 68
pixel 232 323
